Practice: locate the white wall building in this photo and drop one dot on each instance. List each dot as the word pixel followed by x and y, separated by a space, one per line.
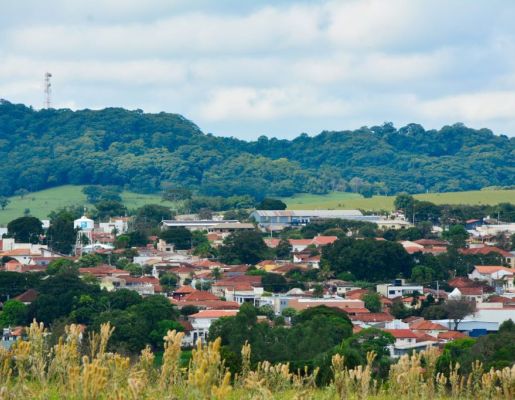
pixel 398 289
pixel 201 322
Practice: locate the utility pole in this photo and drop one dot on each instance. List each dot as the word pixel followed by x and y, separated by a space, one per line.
pixel 48 90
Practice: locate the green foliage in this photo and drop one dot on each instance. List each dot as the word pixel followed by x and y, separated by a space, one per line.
pixel 168 280
pixel 314 331
pixel 368 259
pixel 372 301
pixel 58 295
pixel 283 250
pixel 61 234
pixel 89 260
pixel 189 310
pixel 274 283
pixel 61 265
pixel 109 208
pixel 271 204
pixel 13 313
pixel 180 237
pixel 399 310
pixel 4 202
pixel 13 283
pixel 457 235
pixel 141 151
pixel 245 247
pixel 404 202
pixel 25 229
pixel 95 194
pixel 355 349
pixel 160 331
pixel 318 291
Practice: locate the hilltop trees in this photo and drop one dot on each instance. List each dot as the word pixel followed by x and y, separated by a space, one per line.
pixel 142 152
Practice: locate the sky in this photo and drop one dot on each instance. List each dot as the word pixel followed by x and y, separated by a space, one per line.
pixel 277 68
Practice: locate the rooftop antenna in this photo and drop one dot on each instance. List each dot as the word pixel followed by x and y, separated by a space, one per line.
pixel 48 89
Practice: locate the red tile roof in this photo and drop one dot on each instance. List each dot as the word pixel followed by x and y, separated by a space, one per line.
pixel 486 250
pixel 186 325
pixel 200 295
pixel 214 314
pixel 490 269
pixel 431 242
pixel 460 281
pixel 28 296
pixel 102 270
pixel 186 289
pixel 401 333
pixel 324 240
pixel 355 294
pixel 207 304
pixel 451 335
pixel 424 337
pixel 471 291
pixel 425 325
pixel 372 317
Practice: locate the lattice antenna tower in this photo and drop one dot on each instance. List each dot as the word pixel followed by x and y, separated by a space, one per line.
pixel 48 90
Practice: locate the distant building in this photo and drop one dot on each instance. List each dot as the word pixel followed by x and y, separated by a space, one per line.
pixel 280 219
pixel 499 277
pixel 398 289
pixel 199 225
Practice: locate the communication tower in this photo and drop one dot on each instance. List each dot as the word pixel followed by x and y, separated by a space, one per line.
pixel 48 89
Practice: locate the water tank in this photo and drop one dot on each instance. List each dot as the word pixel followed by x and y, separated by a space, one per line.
pixel 84 223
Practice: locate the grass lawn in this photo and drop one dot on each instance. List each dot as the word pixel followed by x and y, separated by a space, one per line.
pixel 42 203
pixel 341 200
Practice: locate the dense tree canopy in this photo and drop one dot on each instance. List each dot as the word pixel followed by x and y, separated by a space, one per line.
pixel 368 259
pixel 247 247
pixel 314 332
pixel 25 229
pixel 142 151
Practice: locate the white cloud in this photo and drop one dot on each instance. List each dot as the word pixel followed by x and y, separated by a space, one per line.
pixel 474 107
pixel 247 103
pixel 327 64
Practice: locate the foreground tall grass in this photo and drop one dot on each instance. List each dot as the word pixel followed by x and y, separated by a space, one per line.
pixel 72 369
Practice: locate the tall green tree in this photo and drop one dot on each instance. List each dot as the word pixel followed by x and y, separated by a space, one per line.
pixel 180 237
pixel 61 234
pixel 13 313
pixel 25 229
pixel 247 247
pixel 271 204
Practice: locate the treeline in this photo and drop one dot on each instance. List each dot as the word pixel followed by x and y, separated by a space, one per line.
pixel 150 152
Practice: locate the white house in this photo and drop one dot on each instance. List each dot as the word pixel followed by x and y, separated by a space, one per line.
pixel 501 278
pixel 201 322
pixel 406 342
pixel 118 224
pixel 398 289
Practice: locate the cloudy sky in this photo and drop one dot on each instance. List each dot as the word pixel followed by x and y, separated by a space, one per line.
pixel 279 68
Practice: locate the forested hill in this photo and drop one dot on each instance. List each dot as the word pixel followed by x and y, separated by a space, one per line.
pixel 46 148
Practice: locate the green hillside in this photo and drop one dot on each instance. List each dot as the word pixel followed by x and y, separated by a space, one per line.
pixel 145 152
pixel 340 200
pixel 43 202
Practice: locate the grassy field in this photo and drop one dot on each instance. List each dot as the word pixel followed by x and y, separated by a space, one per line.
pixel 340 200
pixel 42 203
